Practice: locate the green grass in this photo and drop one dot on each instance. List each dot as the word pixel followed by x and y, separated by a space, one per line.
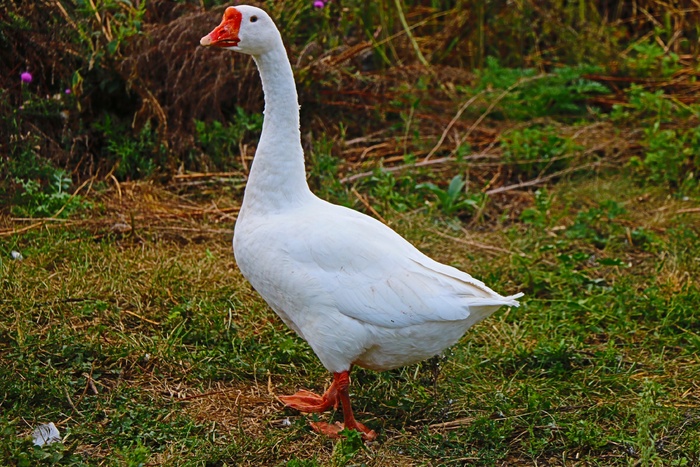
pixel 150 348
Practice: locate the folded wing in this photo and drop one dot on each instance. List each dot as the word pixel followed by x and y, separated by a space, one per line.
pixel 375 276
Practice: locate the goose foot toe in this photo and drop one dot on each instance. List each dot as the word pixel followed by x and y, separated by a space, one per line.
pixel 333 430
pixel 308 402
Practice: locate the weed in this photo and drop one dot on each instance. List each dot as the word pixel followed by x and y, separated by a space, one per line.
pixel 54 200
pixel 302 463
pixel 536 150
pixel 221 143
pixel 672 157
pixel 323 172
pixel 656 106
pixel 645 440
pixel 594 224
pixel 539 215
pixel 24 167
pixel 347 447
pixel 106 42
pixel 23 162
pixel 585 435
pixel 393 191
pixel 134 456
pixel 134 156
pixel 489 434
pixel 646 239
pixel 650 59
pixel 530 94
pixel 671 154
pixel 454 199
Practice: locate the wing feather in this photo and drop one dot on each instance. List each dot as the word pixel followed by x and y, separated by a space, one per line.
pixel 372 274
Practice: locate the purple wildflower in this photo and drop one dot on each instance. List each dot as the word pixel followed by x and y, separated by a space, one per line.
pixel 319 4
pixel 67 90
pixel 26 77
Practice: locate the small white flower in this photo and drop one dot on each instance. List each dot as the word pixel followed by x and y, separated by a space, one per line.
pixel 16 255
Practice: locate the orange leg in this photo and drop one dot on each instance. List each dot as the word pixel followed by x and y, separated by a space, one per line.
pixel 306 401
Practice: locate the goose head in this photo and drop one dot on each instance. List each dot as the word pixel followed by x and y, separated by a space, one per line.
pixel 245 29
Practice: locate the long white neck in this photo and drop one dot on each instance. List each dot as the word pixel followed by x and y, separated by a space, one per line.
pixel 277 177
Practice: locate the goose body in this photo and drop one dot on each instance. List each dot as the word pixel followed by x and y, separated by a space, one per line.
pixel 354 289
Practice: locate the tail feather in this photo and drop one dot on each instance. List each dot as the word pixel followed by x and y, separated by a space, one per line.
pixel 510 300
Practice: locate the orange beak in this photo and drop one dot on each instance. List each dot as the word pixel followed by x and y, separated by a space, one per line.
pixel 225 34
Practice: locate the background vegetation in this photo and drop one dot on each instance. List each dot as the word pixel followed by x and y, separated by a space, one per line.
pixel 549 147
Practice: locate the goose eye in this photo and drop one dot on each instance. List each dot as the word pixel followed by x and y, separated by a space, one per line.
pixel 253 19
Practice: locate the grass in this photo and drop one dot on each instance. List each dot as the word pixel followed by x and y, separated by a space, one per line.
pixel 148 347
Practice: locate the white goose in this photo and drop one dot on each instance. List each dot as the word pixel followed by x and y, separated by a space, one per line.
pixel 354 289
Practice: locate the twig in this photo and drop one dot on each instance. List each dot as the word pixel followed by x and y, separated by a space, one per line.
pixel 356 49
pixel 409 34
pixel 493 104
pixel 367 205
pixel 196 176
pixel 540 180
pixel 70 401
pixel 453 424
pixel 423 163
pixel 116 183
pixel 190 229
pixel 63 300
pixel 68 18
pixel 365 138
pixel 346 54
pixel 451 124
pixel 91 382
pixel 107 32
pixel 483 246
pixel 411 28
pixel 75 193
pixel 141 317
pixel 42 219
pixel 373 147
pixel 467 420
pixel 7 233
pixel 212 393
